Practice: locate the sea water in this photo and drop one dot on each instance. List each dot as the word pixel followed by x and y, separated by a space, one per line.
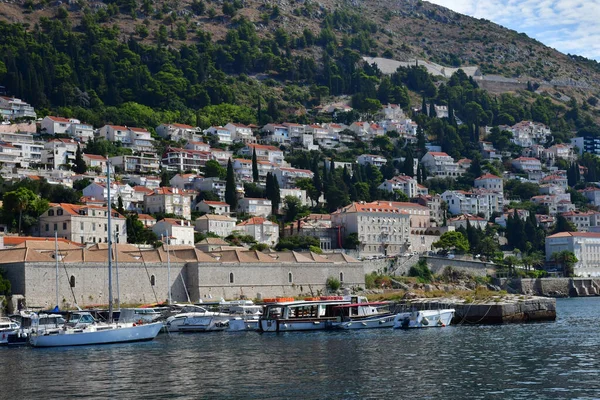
pixel 523 361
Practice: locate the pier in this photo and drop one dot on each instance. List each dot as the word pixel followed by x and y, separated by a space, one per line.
pixel 497 310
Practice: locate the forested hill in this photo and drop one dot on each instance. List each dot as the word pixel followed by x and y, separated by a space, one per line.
pixel 140 62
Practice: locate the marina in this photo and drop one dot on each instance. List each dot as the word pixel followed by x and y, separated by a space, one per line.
pixel 547 360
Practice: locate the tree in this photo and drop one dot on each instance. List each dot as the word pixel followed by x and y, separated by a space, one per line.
pixel 453 240
pixel 563 225
pixel 212 168
pixel 276 197
pixel 23 200
pixel 120 208
pixel 80 167
pixel 408 168
pixel 230 189
pixel 351 241
pixel 567 260
pixel 292 207
pixel 311 191
pixel 254 166
pixel 137 232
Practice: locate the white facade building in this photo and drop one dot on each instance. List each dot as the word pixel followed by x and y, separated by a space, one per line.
pixel 177 231
pixel 169 201
pixel 256 207
pixel 261 229
pixel 220 225
pixel 585 246
pixel 441 164
pixel 59 152
pixel 176 132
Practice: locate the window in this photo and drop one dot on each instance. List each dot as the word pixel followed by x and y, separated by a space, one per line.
pixel 231 280
pixel 47 227
pixel 64 226
pixel 105 227
pixel 81 225
pixel 93 226
pixel 81 239
pixel 55 227
pixel 50 213
pixel 290 277
pixel 72 281
pixel 59 211
pixel 152 280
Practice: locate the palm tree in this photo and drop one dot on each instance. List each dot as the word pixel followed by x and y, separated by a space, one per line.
pixel 567 260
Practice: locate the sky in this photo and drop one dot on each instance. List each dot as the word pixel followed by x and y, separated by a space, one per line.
pixel 569 26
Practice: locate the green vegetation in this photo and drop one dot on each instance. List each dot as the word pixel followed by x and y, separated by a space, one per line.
pixel 453 240
pixel 297 243
pixel 4 284
pixel 333 284
pixel 421 271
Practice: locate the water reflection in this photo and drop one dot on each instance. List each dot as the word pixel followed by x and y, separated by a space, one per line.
pixel 550 360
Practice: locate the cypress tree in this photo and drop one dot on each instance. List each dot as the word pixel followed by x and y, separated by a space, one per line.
pixel 254 166
pixel 275 195
pixel 424 106
pixel 432 112
pixel 79 166
pixel 421 141
pixel 409 164
pixel 230 192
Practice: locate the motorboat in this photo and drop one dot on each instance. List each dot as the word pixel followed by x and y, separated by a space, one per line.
pixel 32 322
pixel 145 315
pixel 193 318
pixel 244 315
pixel 310 314
pixel 364 315
pixel 424 319
pixel 83 329
pixel 7 327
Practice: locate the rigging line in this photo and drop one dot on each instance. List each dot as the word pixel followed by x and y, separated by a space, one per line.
pixel 68 278
pixel 148 274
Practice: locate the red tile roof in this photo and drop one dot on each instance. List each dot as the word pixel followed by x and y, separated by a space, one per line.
pixel 253 221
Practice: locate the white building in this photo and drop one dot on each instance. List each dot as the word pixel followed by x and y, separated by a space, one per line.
pixel 371 159
pixel 490 182
pixel 382 228
pixel 261 229
pixel 478 201
pixel 99 191
pixel 183 181
pixel 527 164
pixel 142 164
pixel 585 246
pixel 287 177
pixel 223 135
pixel 59 152
pixel 95 161
pixel 10 156
pixel 583 220
pixel 178 159
pixel 30 151
pixel 240 133
pixel 441 164
pixel 264 153
pixel 213 207
pixel 16 108
pixel 464 219
pixel 255 207
pixel 169 201
pixel 69 126
pixel 402 183
pixel 243 169
pixel 82 224
pixel 177 231
pixel 592 194
pixel 137 139
pixel 176 132
pixel 220 225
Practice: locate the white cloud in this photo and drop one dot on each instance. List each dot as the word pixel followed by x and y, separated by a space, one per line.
pixel 569 26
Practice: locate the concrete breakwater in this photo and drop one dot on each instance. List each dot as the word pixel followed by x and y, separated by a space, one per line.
pixel 550 287
pixel 505 309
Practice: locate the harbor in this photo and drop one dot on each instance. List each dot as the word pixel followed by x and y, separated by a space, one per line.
pixel 460 361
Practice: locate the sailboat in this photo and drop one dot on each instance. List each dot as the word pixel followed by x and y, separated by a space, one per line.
pixel 96 333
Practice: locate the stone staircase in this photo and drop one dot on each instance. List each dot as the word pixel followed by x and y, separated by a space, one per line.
pixel 582 287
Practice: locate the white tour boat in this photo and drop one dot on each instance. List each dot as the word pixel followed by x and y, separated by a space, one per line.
pixel 85 330
pixel 364 315
pixel 424 319
pixel 284 315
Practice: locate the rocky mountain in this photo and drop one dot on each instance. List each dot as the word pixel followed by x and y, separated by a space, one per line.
pixel 405 29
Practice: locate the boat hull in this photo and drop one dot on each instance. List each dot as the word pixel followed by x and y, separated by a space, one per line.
pixel 267 325
pixel 137 333
pixel 198 324
pixel 386 321
pixel 424 319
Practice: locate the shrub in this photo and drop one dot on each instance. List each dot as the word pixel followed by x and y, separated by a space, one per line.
pixel 333 284
pixel 316 249
pixel 421 271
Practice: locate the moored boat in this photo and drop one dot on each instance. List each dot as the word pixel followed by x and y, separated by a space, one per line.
pixel 194 318
pixel 364 315
pixel 424 319
pixel 300 315
pixel 31 322
pixel 7 327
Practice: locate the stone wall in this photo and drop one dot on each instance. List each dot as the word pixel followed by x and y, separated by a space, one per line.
pixel 477 268
pixel 36 281
pixel 550 287
pixel 269 280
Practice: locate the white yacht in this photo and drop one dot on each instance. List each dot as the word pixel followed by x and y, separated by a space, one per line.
pixel 32 322
pixel 364 315
pixel 194 318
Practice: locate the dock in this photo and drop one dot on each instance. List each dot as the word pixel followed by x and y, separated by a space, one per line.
pixel 498 310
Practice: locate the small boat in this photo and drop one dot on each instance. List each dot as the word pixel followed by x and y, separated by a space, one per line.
pixel 244 315
pixel 7 327
pixel 31 322
pixel 365 315
pixel 300 315
pixel 146 315
pixel 194 318
pixel 424 319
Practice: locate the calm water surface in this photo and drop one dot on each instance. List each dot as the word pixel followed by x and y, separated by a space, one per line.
pixel 533 361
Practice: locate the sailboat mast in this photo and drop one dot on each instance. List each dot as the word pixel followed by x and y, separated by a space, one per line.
pixel 56 259
pixel 117 272
pixel 168 264
pixel 110 294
